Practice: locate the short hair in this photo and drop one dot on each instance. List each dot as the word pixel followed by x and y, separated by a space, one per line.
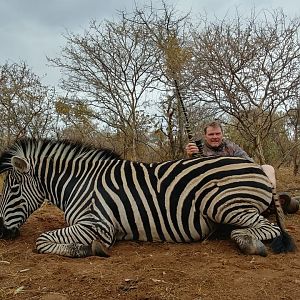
pixel 214 124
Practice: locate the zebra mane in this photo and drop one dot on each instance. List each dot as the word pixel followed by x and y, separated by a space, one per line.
pixel 26 146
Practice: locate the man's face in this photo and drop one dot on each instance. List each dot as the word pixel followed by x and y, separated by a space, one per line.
pixel 214 136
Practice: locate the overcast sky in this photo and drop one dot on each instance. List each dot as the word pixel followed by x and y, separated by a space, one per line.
pixel 30 30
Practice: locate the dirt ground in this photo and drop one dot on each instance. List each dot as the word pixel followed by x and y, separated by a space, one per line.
pixel 213 269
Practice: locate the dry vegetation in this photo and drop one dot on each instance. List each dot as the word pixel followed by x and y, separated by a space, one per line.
pixel 214 269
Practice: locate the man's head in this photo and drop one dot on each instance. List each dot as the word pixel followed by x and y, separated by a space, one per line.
pixel 213 134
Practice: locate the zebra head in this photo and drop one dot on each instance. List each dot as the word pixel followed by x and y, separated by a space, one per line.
pixel 22 194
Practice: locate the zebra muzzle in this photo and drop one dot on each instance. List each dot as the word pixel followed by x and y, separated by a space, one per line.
pixel 6 233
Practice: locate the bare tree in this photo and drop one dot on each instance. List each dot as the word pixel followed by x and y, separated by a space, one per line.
pixel 109 68
pixel 26 105
pixel 120 69
pixel 293 131
pixel 169 33
pixel 249 70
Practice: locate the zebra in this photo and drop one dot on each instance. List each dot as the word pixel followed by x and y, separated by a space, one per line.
pixel 106 199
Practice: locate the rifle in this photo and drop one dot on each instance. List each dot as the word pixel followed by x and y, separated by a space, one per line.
pixel 187 123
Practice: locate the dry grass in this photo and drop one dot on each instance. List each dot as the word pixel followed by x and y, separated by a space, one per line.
pixel 286 181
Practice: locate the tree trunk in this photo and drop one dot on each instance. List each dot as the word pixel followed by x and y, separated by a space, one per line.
pixel 259 150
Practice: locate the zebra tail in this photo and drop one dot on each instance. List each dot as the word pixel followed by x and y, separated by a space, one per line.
pixel 283 243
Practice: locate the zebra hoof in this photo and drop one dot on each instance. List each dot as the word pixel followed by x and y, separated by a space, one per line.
pixel 257 248
pixel 251 246
pixel 98 249
pixel 293 207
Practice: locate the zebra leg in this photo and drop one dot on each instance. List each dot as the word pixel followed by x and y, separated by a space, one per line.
pixel 78 240
pixel 255 229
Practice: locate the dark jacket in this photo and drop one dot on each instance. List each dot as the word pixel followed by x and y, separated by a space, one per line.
pixel 227 148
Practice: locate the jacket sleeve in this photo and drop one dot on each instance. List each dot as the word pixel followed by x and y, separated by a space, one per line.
pixel 239 152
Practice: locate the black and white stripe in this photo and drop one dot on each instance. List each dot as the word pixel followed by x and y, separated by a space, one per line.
pixel 106 198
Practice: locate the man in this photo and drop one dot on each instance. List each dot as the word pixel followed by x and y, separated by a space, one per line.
pixel 216 145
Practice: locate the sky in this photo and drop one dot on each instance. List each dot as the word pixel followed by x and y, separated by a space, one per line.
pixel 31 30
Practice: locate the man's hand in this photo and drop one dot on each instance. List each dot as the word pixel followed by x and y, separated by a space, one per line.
pixel 191 148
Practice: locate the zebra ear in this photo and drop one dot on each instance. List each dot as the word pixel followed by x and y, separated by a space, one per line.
pixel 20 164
